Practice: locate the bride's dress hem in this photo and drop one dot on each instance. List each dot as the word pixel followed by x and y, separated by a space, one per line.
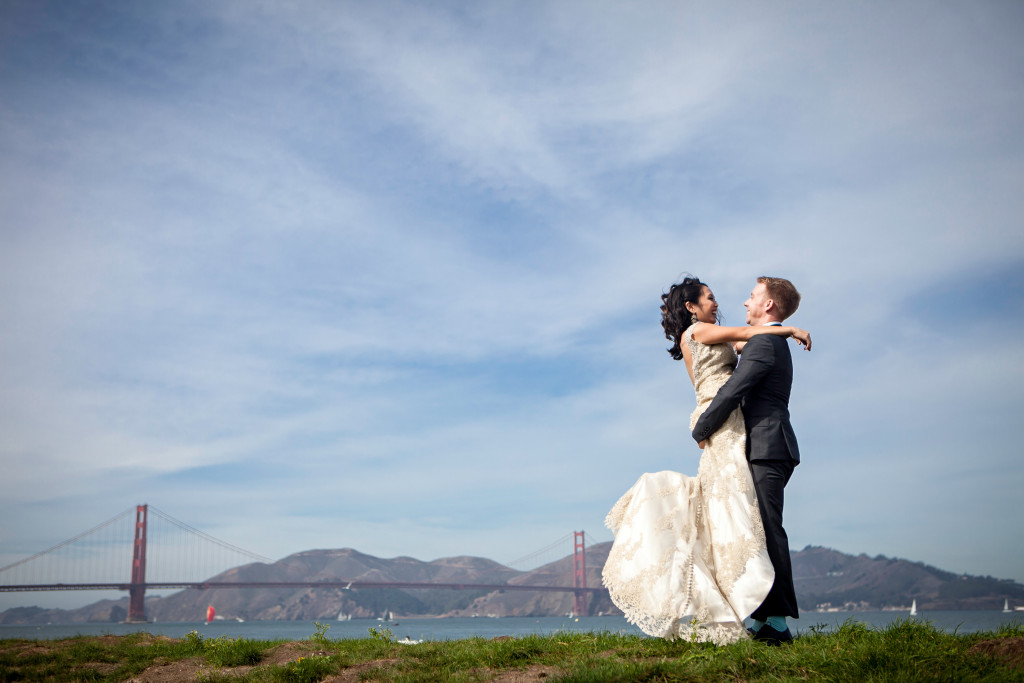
pixel 689 559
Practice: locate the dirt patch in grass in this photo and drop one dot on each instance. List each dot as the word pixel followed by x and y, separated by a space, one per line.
pixel 537 672
pixel 534 672
pixel 170 672
pixel 290 652
pixel 353 673
pixel 99 640
pixel 190 669
pixel 37 647
pixel 149 639
pixel 26 649
pixel 101 668
pixel 1009 649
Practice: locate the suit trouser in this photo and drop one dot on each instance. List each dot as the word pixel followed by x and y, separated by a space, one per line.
pixel 770 479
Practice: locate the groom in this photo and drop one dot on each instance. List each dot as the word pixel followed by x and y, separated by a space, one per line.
pixel 761 387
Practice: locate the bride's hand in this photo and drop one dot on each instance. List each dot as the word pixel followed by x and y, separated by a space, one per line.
pixel 803 338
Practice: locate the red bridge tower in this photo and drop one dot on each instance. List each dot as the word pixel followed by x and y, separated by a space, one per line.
pixel 579 573
pixel 137 589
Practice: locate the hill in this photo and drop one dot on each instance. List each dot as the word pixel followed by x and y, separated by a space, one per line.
pixel 329 603
pixel 558 573
pixel 828 578
pixel 825 579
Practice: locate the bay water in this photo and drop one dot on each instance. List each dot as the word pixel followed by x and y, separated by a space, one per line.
pixel 484 627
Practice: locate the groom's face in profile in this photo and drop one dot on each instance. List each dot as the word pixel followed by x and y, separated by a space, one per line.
pixel 756 304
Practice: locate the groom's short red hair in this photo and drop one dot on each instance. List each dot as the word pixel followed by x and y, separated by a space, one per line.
pixel 783 293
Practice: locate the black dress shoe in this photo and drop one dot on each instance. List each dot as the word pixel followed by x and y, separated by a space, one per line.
pixel 766 634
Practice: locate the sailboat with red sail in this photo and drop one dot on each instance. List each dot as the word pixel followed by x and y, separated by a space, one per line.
pixel 210 613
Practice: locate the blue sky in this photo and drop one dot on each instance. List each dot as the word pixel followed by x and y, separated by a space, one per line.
pixel 386 275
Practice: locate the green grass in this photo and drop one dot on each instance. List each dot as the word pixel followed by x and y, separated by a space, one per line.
pixel 904 651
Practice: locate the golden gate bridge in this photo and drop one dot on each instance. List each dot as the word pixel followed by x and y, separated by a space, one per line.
pixel 158 552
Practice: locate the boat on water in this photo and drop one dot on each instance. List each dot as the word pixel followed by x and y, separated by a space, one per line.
pixel 408 641
pixel 1006 606
pixel 344 617
pixel 913 608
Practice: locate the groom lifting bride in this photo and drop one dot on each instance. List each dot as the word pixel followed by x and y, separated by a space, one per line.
pixel 695 556
pixel 761 386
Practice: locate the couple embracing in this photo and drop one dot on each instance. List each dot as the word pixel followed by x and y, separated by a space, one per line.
pixel 695 556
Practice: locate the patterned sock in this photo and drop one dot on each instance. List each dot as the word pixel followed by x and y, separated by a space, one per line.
pixel 757 624
pixel 777 623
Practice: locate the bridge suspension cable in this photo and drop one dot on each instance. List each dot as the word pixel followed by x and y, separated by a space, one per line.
pixel 555 550
pixel 101 554
pixel 207 537
pixel 63 544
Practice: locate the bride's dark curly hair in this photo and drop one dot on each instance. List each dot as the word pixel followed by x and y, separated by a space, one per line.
pixel 674 316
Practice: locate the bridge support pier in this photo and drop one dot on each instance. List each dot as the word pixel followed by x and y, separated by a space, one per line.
pixel 137 589
pixel 579 573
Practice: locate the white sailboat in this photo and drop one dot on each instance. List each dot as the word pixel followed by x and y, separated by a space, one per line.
pixel 913 608
pixel 1006 606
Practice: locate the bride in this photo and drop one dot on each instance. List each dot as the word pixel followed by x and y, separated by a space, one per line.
pixel 689 557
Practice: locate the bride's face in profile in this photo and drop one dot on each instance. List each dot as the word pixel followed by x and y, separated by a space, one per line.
pixel 706 308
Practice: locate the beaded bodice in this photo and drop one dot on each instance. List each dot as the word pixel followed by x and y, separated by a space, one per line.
pixel 713 365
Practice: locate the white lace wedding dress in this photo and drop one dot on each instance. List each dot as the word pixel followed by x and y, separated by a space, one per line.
pixel 689 558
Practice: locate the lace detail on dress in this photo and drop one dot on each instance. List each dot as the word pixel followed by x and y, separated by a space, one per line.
pixel 689 558
pixel 615 516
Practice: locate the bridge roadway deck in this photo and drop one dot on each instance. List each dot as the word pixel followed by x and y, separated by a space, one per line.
pixel 343 585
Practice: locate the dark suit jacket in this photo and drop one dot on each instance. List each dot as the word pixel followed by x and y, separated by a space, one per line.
pixel 760 386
